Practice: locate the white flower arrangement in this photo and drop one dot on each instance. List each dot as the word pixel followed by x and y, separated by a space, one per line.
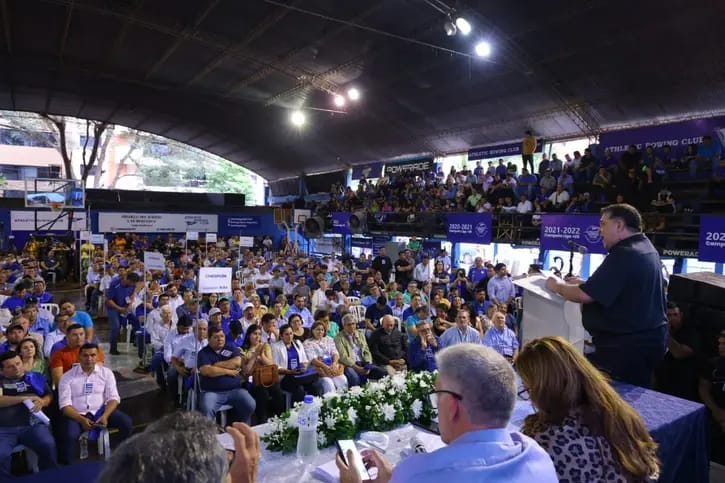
pixel 378 406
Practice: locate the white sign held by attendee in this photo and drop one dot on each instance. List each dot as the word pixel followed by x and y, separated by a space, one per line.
pixel 85 235
pixel 192 235
pixel 154 261
pixel 215 279
pixel 98 239
pixel 246 241
pixel 211 237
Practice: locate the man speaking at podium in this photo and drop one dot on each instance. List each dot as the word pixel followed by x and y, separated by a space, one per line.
pixel 623 302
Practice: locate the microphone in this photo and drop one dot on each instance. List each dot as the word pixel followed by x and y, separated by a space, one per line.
pixel 574 246
pixel 417 445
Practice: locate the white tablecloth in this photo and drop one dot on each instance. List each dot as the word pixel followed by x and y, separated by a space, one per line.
pixel 282 468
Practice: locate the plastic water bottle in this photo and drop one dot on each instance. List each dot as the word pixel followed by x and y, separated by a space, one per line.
pixel 84 447
pixel 307 439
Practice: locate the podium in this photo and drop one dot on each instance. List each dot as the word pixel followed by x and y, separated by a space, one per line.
pixel 548 314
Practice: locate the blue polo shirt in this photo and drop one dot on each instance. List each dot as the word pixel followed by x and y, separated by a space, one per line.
pixel 13 303
pixel 475 274
pixel 207 356
pixel 119 293
pixel 84 319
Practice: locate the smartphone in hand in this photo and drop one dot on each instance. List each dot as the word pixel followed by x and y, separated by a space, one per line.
pixel 343 445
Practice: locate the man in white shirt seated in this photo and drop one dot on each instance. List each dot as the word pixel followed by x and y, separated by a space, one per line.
pixel 158 331
pixel 56 336
pixel 559 198
pixel 88 400
pixel 473 420
pixel 183 358
pixel 524 205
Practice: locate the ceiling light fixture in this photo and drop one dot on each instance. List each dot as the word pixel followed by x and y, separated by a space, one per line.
pixel 450 27
pixel 463 26
pixel 339 100
pixel 297 118
pixel 353 94
pixel 483 49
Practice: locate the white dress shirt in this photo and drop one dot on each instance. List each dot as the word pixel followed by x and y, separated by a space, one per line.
pixel 86 393
pixel 50 340
pixel 171 342
pixel 158 332
pixel 176 302
pixel 421 272
pixel 187 348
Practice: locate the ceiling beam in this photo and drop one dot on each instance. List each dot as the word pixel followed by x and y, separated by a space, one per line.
pixel 185 34
pixel 286 58
pixel 6 26
pixel 66 30
pixel 121 36
pixel 230 51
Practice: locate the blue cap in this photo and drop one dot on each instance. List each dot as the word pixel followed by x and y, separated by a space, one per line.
pixel 308 399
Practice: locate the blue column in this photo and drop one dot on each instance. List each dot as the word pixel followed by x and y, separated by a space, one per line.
pixel 585 266
pixel 347 244
pixel 680 265
pixel 454 254
pixel 719 268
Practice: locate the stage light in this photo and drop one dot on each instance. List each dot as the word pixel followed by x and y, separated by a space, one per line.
pixel 353 94
pixel 463 26
pixel 483 49
pixel 297 118
pixel 339 100
pixel 450 28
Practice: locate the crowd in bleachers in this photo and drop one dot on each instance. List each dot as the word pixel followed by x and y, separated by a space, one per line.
pixel 575 184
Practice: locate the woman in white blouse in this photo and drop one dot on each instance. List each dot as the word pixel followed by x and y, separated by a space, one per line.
pixel 292 363
pixel 323 355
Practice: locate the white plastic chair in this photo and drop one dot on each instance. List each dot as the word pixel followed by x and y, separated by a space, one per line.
pixel 163 287
pixel 358 311
pixel 399 322
pixel 3 298
pixel 353 300
pixel 54 309
pixel 31 458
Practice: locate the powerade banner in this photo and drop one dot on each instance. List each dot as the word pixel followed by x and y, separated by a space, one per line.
pixel 558 230
pixel 415 166
pixel 500 150
pixel 677 134
pixel 712 239
pixel 367 171
pixel 470 227
pixel 340 223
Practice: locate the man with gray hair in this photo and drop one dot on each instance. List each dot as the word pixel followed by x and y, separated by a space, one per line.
pixel 198 455
pixel 472 419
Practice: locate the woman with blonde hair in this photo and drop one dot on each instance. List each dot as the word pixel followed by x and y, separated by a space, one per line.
pixel 589 431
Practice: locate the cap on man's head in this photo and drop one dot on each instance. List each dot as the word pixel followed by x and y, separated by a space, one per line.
pixel 247 306
pixel 214 311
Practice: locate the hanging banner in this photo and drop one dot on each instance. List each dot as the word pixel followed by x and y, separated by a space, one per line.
pixel 501 150
pixel 367 171
pixel 210 237
pixel 557 231
pixel 215 279
pixel 156 222
pixel 340 223
pixel 415 166
pixel 470 227
pixel 712 239
pixel 379 242
pixel 192 235
pixel 236 223
pixel 361 242
pixel 154 261
pixel 25 220
pixel 678 135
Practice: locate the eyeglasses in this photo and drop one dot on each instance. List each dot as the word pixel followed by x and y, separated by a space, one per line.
pixel 523 394
pixel 433 396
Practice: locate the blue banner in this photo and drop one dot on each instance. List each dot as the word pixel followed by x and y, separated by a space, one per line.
pixel 500 150
pixel 236 223
pixel 678 135
pixel 558 230
pixel 470 227
pixel 360 242
pixel 340 223
pixel 712 239
pixel 379 242
pixel 367 171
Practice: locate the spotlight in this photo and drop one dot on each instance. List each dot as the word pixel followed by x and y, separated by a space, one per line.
pixel 483 49
pixel 297 118
pixel 450 27
pixel 463 26
pixel 339 100
pixel 353 94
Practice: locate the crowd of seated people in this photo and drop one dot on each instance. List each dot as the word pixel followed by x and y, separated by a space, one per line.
pixel 574 184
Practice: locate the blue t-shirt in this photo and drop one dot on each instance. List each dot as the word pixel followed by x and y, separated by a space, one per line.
pixel 119 293
pixel 208 357
pixel 83 319
pixel 13 303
